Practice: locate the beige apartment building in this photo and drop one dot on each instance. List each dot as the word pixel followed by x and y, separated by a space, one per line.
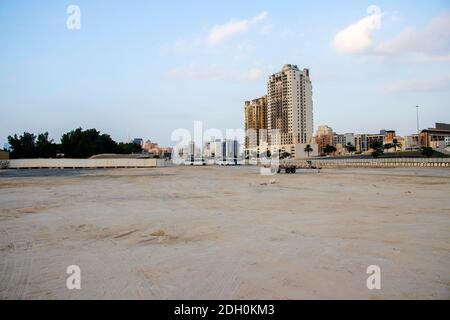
pixel 324 137
pixel 256 125
pixel 290 110
pixel 436 138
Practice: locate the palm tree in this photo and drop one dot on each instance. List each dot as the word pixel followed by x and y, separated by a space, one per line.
pixel 396 144
pixel 308 149
pixel 388 146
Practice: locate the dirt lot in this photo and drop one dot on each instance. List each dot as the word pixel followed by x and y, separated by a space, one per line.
pixel 224 233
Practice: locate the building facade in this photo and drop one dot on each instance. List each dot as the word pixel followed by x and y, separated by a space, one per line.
pixel 289 109
pixel 436 138
pixel 324 137
pixel 340 141
pixel 213 149
pixel 255 124
pixel 230 150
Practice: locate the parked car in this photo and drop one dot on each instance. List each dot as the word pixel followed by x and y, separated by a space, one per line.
pixel 196 162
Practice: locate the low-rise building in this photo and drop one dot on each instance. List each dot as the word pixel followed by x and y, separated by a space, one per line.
pixel 436 138
pixel 374 138
pixel 341 141
pixel 411 142
pixel 363 142
pixel 324 137
pixel 138 141
pixel 149 146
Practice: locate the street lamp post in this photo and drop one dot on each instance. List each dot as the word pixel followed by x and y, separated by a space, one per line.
pixel 418 126
pixel 417 113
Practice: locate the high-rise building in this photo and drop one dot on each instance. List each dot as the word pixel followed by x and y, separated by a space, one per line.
pixel 255 123
pixel 289 109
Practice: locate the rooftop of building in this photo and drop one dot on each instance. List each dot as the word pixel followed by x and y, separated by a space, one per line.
pixel 287 67
pixel 442 126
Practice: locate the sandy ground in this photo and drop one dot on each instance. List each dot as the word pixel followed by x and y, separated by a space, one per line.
pixel 225 233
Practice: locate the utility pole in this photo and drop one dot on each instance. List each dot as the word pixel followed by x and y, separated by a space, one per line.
pixel 418 126
pixel 417 113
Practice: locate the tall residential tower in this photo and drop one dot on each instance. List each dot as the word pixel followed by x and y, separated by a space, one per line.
pixel 255 123
pixel 290 110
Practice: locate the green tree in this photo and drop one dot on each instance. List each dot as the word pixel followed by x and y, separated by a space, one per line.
pixel 23 147
pixel 308 149
pixel 81 144
pixel 377 148
pixel 427 151
pixel 45 148
pixel 376 145
pixel 388 146
pixel 128 148
pixel 350 148
pixel 329 149
pixel 396 144
pixel 284 155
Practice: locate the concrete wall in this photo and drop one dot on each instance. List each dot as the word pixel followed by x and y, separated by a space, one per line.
pixel 374 163
pixel 85 163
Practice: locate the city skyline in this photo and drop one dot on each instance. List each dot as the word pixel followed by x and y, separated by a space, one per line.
pixel 144 70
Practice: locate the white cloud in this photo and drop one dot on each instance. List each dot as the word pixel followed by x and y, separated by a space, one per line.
pixel 267 29
pixel 432 44
pixel 357 38
pixel 193 72
pixel 435 84
pixel 421 57
pixel 220 33
pixel 216 35
pixel 289 33
pixel 260 17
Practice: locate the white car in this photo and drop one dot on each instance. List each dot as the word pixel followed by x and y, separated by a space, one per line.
pixel 226 163
pixel 196 162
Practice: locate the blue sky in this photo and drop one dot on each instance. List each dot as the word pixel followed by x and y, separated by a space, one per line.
pixel 144 68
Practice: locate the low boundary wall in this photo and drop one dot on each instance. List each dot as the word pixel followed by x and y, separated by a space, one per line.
pixel 373 163
pixel 84 163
